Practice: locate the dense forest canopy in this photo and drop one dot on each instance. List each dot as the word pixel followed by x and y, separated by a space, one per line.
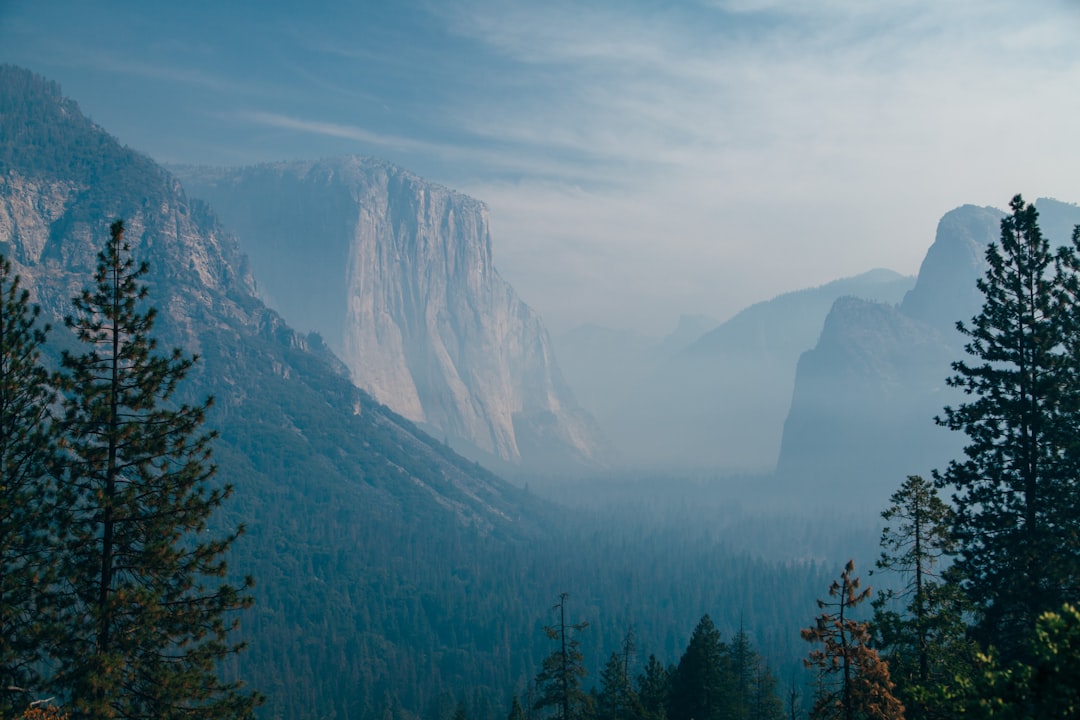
pixel 393 578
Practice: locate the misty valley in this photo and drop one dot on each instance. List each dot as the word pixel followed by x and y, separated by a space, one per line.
pixel 369 483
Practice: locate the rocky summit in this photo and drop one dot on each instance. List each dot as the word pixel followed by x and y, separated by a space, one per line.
pixel 396 274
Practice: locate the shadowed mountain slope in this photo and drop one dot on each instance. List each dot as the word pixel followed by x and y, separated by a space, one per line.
pixel 335 489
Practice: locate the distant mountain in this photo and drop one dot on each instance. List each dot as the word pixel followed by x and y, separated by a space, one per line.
pixel 865 396
pixel 862 410
pixel 945 290
pixel 717 400
pixel 334 487
pixel 396 274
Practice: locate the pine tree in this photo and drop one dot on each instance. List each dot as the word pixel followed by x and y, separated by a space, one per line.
pixel 26 452
pixel 703 685
pixel 559 682
pixel 653 688
pixel 765 704
pixel 617 699
pixel 854 681
pixel 147 606
pixel 754 686
pixel 1017 491
pixel 925 641
pixel 1045 686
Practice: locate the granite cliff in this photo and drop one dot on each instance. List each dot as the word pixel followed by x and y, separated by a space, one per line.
pixel 711 395
pixel 346 503
pixel 397 275
pixel 63 179
pixel 865 397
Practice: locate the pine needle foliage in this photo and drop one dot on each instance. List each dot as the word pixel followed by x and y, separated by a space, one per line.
pixel 559 682
pixel 1017 490
pixel 26 453
pixel 920 627
pixel 854 681
pixel 148 611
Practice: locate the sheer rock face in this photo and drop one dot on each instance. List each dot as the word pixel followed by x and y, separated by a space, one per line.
pixel 292 425
pixel 946 289
pixel 862 412
pixel 397 275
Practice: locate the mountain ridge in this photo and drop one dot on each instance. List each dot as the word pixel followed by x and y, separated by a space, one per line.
pixel 320 469
pixel 866 395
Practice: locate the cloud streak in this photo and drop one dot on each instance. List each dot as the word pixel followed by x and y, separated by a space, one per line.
pixel 639 159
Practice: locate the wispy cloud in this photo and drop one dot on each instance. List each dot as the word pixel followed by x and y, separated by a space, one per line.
pixel 837 124
pixel 349 132
pixel 638 158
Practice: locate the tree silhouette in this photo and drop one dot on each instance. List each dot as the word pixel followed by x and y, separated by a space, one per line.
pixel 146 606
pixel 27 449
pixel 703 685
pixel 559 682
pixel 1017 490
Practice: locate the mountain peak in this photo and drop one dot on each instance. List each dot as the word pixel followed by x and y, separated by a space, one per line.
pixel 397 274
pixel 952 265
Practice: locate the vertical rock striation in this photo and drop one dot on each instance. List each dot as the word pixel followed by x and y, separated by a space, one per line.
pixel 397 275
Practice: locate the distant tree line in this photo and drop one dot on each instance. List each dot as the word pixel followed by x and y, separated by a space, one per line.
pixel 713 680
pixel 984 622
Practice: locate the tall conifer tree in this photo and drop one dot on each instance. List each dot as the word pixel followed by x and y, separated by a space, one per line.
pixel 854 682
pixel 653 688
pixel 559 682
pixel 148 610
pixel 703 685
pixel 1017 488
pixel 616 699
pixel 26 451
pixel 924 641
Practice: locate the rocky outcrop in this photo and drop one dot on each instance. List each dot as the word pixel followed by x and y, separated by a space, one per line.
pixel 712 395
pixel 397 275
pixel 946 287
pixel 865 398
pixel 283 403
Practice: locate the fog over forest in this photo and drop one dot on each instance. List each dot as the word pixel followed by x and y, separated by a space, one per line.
pixel 539 361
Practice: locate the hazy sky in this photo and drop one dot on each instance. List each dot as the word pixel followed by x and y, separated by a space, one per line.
pixel 640 159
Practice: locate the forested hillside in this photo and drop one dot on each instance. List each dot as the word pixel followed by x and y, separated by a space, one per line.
pixel 393 578
pixel 390 573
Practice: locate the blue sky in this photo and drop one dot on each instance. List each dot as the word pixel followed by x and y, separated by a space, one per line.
pixel 640 159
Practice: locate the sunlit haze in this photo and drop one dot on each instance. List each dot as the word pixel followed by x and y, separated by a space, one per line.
pixel 639 160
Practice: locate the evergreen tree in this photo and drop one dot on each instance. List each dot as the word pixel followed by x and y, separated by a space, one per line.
pixel 765 704
pixel 617 699
pixel 147 608
pixel 1044 687
pixel 653 687
pixel 1017 490
pixel 703 685
pixel 925 642
pixel 854 681
pixel 559 682
pixel 793 699
pixel 26 451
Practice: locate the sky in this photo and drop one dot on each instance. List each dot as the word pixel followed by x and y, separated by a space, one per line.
pixel 639 159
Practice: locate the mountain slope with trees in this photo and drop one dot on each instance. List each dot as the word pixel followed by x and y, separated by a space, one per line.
pixel 391 575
